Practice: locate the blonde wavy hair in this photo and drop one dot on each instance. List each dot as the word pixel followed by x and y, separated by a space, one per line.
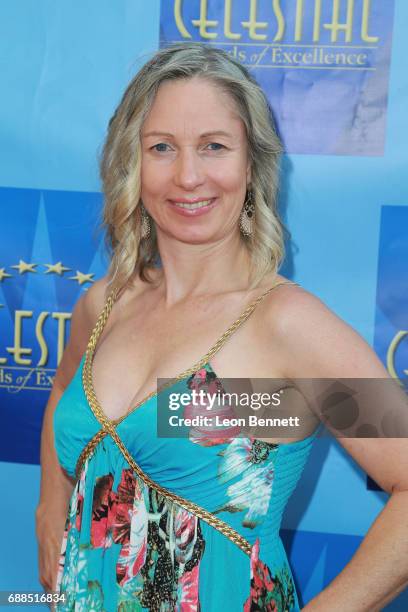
pixel 120 164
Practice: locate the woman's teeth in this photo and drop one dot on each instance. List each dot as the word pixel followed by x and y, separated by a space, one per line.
pixel 194 205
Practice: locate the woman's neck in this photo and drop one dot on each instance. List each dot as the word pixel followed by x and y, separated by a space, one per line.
pixel 202 269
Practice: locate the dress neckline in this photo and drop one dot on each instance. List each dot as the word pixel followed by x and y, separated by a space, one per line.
pixel 204 362
pixel 145 400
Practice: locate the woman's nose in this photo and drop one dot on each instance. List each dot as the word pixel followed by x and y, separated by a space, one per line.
pixel 189 169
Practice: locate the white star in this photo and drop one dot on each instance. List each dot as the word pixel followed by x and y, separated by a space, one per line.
pixel 23 267
pixel 82 278
pixel 57 268
pixel 3 274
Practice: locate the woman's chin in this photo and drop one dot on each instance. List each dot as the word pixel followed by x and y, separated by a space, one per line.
pixel 191 236
pixel 196 239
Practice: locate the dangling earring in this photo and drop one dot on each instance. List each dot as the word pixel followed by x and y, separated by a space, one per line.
pixel 145 223
pixel 246 219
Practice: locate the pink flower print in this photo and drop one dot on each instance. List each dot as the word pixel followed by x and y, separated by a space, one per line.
pixel 210 432
pixel 185 534
pixel 121 510
pixel 262 585
pixel 188 586
pixel 129 527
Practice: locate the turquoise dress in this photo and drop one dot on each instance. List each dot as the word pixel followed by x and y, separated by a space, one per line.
pixel 164 524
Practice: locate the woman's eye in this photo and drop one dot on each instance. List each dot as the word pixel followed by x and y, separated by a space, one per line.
pixel 217 146
pixel 160 147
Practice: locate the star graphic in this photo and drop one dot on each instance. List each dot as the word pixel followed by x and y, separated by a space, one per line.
pixel 3 274
pixel 23 267
pixel 82 278
pixel 57 268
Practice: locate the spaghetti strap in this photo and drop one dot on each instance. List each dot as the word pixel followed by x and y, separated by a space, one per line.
pixel 244 316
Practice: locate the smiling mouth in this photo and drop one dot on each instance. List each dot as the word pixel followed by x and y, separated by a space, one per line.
pixel 193 205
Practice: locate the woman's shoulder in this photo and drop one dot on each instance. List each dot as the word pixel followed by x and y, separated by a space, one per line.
pixel 94 298
pixel 313 340
pixel 84 316
pixel 290 310
pixel 288 297
pixel 292 300
pixel 87 310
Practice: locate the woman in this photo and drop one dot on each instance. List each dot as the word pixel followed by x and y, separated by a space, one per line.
pixel 189 174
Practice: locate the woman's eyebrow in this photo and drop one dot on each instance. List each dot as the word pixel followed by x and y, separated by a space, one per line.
pixel 203 135
pixel 155 133
pixel 216 133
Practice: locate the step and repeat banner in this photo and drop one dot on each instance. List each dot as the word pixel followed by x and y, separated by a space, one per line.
pixel 334 72
pixel 324 65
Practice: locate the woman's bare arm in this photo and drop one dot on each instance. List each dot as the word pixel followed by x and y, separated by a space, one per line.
pixel 316 345
pixel 56 485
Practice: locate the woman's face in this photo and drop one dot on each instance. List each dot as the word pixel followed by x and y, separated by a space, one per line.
pixel 195 167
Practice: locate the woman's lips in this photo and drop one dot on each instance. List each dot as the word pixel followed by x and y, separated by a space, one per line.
pixel 192 212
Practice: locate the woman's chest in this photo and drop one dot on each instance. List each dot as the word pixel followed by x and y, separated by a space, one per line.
pixel 130 360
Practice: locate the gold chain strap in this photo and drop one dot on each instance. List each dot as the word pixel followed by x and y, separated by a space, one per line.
pixel 88 450
pixel 203 514
pixel 108 425
pixel 109 428
pixel 99 326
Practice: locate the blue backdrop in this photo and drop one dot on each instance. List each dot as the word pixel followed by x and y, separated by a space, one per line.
pixel 339 88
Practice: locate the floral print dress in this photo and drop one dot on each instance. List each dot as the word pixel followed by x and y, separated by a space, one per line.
pixel 171 524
